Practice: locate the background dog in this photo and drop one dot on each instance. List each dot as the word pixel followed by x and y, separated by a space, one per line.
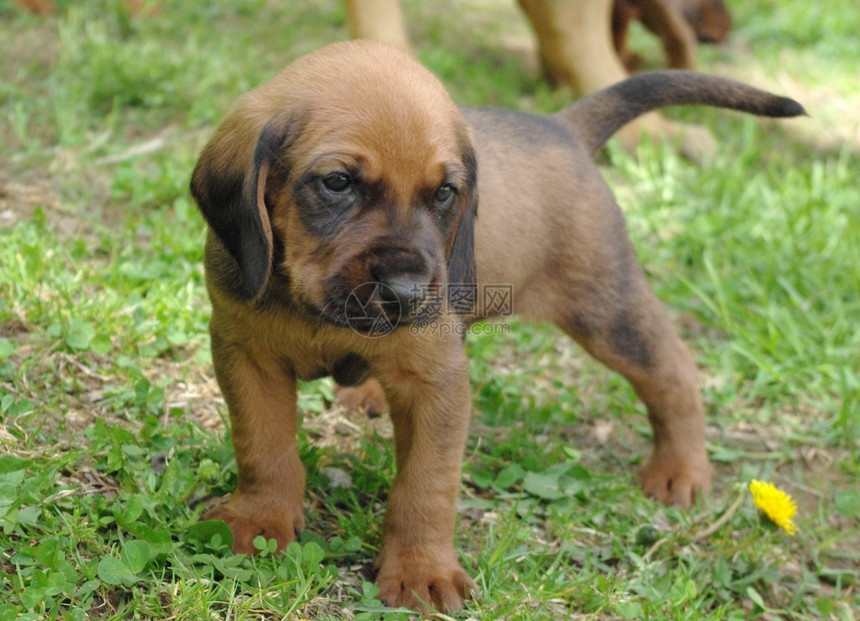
pixel 353 166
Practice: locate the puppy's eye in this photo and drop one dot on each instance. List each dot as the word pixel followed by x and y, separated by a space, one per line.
pixel 443 196
pixel 337 183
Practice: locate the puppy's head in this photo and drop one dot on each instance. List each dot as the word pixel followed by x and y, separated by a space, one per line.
pixel 351 178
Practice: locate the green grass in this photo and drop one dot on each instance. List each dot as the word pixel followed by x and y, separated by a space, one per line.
pixel 111 426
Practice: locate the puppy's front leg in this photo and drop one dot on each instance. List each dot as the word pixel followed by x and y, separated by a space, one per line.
pixel 261 396
pixel 418 565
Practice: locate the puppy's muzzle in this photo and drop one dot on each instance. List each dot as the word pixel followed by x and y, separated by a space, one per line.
pixel 381 290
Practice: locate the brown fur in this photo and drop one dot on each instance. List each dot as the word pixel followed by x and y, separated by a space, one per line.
pixel 337 173
pixel 37 7
pixel 710 19
pixel 678 23
pixel 46 7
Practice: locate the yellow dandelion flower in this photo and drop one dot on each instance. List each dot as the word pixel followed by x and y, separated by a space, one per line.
pixel 778 506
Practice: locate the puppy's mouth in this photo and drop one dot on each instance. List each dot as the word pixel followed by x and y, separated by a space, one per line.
pixel 378 307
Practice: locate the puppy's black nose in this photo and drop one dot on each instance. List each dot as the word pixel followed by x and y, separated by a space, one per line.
pixel 406 290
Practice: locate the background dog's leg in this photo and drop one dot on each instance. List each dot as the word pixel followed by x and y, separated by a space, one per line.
pixel 418 562
pixel 575 42
pixel 664 19
pixel 261 396
pixel 379 20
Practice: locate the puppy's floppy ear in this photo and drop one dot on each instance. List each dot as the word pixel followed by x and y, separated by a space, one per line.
pixel 229 185
pixel 461 241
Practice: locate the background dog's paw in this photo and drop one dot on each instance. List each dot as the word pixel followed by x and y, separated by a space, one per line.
pixel 423 582
pixel 368 397
pixel 697 143
pixel 247 519
pixel 675 482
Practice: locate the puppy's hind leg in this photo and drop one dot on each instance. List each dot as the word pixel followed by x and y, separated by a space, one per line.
pixel 620 322
pixel 367 396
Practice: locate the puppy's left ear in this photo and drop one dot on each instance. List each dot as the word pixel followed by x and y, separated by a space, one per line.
pixel 461 241
pixel 229 185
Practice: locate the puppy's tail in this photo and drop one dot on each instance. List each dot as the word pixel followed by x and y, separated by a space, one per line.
pixel 594 118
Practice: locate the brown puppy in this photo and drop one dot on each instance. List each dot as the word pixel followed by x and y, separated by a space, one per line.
pixel 341 198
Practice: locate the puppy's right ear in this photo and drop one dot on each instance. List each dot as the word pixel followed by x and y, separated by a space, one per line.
pixel 229 185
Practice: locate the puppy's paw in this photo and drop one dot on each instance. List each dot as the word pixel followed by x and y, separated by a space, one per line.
pixel 249 517
pixel 422 579
pixel 676 481
pixel 368 397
